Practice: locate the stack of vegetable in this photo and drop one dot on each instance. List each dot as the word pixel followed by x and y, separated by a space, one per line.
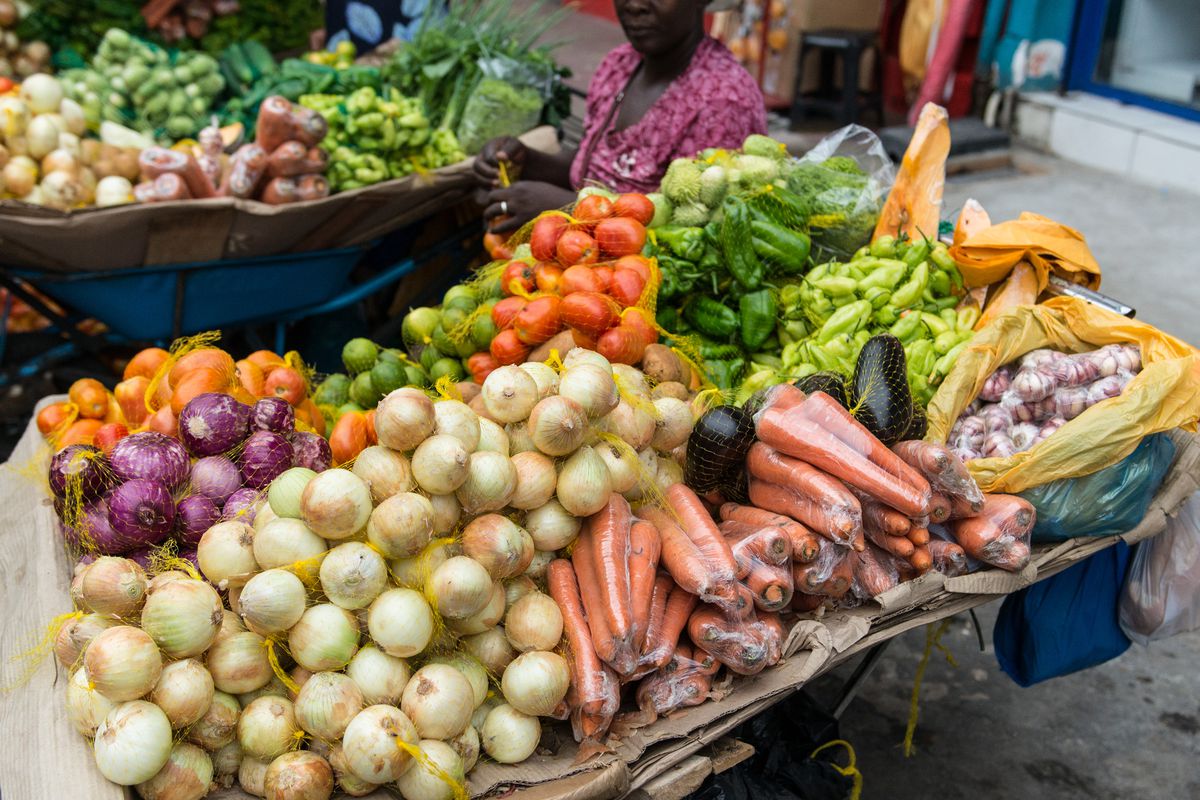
pixel 173 20
pixel 19 58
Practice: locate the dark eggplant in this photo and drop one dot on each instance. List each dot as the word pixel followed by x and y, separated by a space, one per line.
pixel 718 444
pixel 736 486
pixel 879 395
pixel 919 425
pixel 830 383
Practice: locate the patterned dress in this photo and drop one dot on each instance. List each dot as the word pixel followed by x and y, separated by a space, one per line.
pixel 714 103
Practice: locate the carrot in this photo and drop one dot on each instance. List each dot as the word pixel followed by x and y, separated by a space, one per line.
pixel 888 520
pixel 806 603
pixel 826 575
pixel 775 634
pixel 831 505
pixel 740 645
pixel 835 524
pixel 610 530
pixel 873 572
pixel 961 508
pixel 896 545
pixel 654 624
pixel 771 586
pixel 939 508
pixel 948 557
pixel 919 536
pixel 804 541
pixel 698 524
pixel 921 560
pixel 999 535
pixel 751 543
pixel 583 559
pixel 585 665
pixel 784 395
pixel 682 559
pixel 676 612
pixel 803 439
pixel 941 467
pixel 645 547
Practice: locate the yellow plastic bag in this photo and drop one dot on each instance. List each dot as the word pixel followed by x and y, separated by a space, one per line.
pixel 1164 395
pixel 989 255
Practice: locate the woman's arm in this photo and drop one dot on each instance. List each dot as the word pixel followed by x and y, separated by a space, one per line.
pixel 530 164
pixel 521 202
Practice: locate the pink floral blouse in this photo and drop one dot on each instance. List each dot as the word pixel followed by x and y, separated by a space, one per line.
pixel 714 103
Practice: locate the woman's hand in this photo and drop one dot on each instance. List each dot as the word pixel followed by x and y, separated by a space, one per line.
pixel 521 202
pixel 487 164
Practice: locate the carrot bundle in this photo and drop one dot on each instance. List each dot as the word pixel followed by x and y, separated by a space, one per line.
pixel 834 523
pixel 827 505
pixel 829 574
pixel 612 651
pixel 899 546
pixel 804 543
pixel 645 547
pixel 948 557
pixel 874 572
pixel 750 543
pixel 684 681
pixel 771 585
pixel 662 636
pixel 999 535
pixel 745 646
pixel 945 471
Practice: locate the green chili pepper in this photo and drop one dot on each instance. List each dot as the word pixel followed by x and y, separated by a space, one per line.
pixel 860 339
pixel 910 291
pixel 884 246
pixel 784 250
pixel 944 341
pixel 840 346
pixel 837 287
pixel 796 328
pixel 711 317
pixel 942 303
pixel 886 315
pixel 919 386
pixel 907 328
pixel 711 261
pixel 936 325
pixel 686 243
pixel 818 272
pixel 946 363
pixel 941 259
pixel 846 319
pixel 736 234
pixel 949 317
pixel 757 316
pixel 765 359
pixel 917 252
pixel 940 283
pixel 920 357
pixel 862 252
pixel 717 350
pixel 804 370
pixel 825 360
pixel 667 317
pixel 967 317
pixel 886 275
pixel 877 297
pixel 790 294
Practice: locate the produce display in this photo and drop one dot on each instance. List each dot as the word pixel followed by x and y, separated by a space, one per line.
pixel 19 57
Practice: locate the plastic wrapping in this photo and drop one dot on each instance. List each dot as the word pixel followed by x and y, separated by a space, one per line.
pixel 829 574
pixel 1000 534
pixel 1104 503
pixel 693 550
pixel 1161 596
pixel 670 607
pixel 601 560
pixel 746 646
pixel 803 541
pixel 684 681
pixel 507 101
pixel 875 572
pixel 814 497
pixel 945 471
pixel 763 556
pixel 645 549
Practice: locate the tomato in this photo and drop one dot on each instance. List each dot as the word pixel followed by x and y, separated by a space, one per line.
pixel 349 436
pixel 265 360
pixel 197 382
pixel 90 396
pixel 635 206
pixel 287 383
pixel 480 366
pixel 507 348
pixel 517 278
pixel 204 358
pixel 369 416
pixel 538 321
pixel 627 287
pixel 579 279
pixel 642 321
pixel 639 264
pixel 315 418
pixel 6 85
pixel 250 376
pixel 504 311
pixel 146 363
pixel 131 396
pixel 108 435
pixel 546 275
pixel 163 421
pixel 593 208
pixel 56 416
pixel 576 247
pixel 605 276
pixel 113 414
pixel 590 312
pixel 543 239
pixel 81 431
pixel 622 236
pixel 497 247
pixel 621 345
pixel 581 339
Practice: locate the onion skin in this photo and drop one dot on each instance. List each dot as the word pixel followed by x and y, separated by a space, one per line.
pixel 265 456
pixel 311 451
pixel 552 526
pixel 536 479
pixel 266 727
pixel 500 545
pixel 533 622
pixel 299 775
pixel 312 640
pixel 142 509
pixel 272 414
pixel 536 682
pixel 123 663
pixel 218 726
pixel 557 425
pixel 82 469
pixel 491 648
pixel 238 663
pixel 252 776
pixel 183 710
pixel 187 775
pixel 484 619
pixel 440 464
pixel 461 586
pixel 381 678
pixel 369 744
pixel 74 637
pixel 402 525
pixel 213 423
pixel 352 575
pixel 152 456
pixel 133 743
pixel 584 483
pixel 226 554
pixel 272 601
pixel 422 783
pixel 455 418
pixel 404 419
pixel 326 704
pixel 385 472
pixel 336 504
pixel 114 586
pixel 406 606
pixel 183 617
pixel 86 708
pixel 290 544
pixel 491 480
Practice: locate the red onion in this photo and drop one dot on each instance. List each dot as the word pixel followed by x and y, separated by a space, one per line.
pixel 151 456
pixel 188 554
pixel 142 509
pixel 240 505
pixel 84 468
pixel 273 414
pixel 193 516
pixel 311 451
pixel 264 457
pixel 215 477
pixel 94 532
pixel 143 556
pixel 212 423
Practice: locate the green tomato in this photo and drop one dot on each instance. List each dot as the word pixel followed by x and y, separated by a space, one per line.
pixel 363 391
pixel 453 317
pixel 359 355
pixel 429 356
pixel 457 291
pixel 333 391
pixel 483 330
pixel 419 323
pixel 447 366
pixel 387 377
pixel 415 376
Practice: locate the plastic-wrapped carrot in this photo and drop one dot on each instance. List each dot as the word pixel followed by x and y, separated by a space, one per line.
pixel 645 547
pixel 829 574
pixel 583 558
pixel 661 640
pixel 699 527
pixel 155 161
pixel 806 603
pixel 999 535
pixel 948 557
pixel 921 560
pixel 771 586
pixel 885 519
pixel 896 545
pixel 246 170
pixel 683 682
pixel 939 507
pixel 874 573
pixel 609 530
pixel 945 471
pixel 741 645
pixel 919 536
pixel 832 510
pixel 659 592
pixel 804 542
pixel 594 686
pixel 687 564
pixel 836 523
pixel 961 508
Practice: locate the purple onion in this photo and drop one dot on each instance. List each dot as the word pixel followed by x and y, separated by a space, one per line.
pixel 215 477
pixel 273 414
pixel 81 467
pixel 194 515
pixel 264 457
pixel 93 532
pixel 142 510
pixel 241 505
pixel 189 554
pixel 311 451
pixel 144 556
pixel 212 423
pixel 151 456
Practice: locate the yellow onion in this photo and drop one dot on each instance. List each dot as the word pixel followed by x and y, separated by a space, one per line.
pixel 218 726
pixel 231 623
pixel 73 637
pixel 299 676
pixel 336 504
pixel 439 700
pixel 226 554
pixel 466 744
pixel 670 389
pixel 508 735
pixel 536 478
pixel 264 515
pixel 252 776
pixel 187 775
pixel 401 525
pixel 183 617
pixel 472 670
pixel 592 387
pixel 347 781
pixel 509 393
pixel 325 638
pixel 20 173
pixel 584 484
pixel 86 707
pixel 132 743
pixel 492 438
pixel 290 544
pixel 184 692
pixel 400 622
pixel 668 473
pixel 439 464
pixel 631 423
pixel 551 526
pixel 455 418
pixel 226 761
pixel 541 561
pixel 274 688
pixel 436 777
pixel 163 578
pixel 516 588
pixel 487 617
pixel 404 419
pixel 491 480
pixel 578 356
pixel 326 704
pixel 535 682
pixel 123 663
pixel 283 496
pixel 369 744
pixel 485 708
pixel 299 775
pixel 623 466
pixel 520 440
pixel 267 727
pixel 459 587
pixel 631 381
pixel 557 425
pixel 491 648
pixel 544 376
pixel 499 544
pixel 533 622
pixel 238 663
pixel 446 513
pixel 352 575
pixel 412 572
pixel 385 472
pixel 674 423
pixel 61 160
pixel 114 586
pixel 381 678
pixel 272 601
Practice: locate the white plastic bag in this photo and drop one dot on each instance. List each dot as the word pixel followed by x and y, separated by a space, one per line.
pixel 1162 590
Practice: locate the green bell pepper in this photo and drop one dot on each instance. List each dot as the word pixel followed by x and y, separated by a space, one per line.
pixel 758 312
pixel 710 316
pixel 736 242
pixel 686 243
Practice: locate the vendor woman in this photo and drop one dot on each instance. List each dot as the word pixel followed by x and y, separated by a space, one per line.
pixel 670 93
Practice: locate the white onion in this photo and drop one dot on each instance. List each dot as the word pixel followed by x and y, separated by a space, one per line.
pixel 491 648
pixel 557 425
pixel 534 622
pixel 446 513
pixel 73 637
pixel 584 484
pixel 460 587
pixel 187 775
pixel 544 376
pixel 326 704
pixel 290 544
pixel 226 761
pixel 183 617
pixel 402 525
pixel 42 93
pixel 234 596
pixel 226 554
pixel 509 736
pixel 623 465
pixel 541 561
pixel 347 781
pixel 163 578
pixel 519 438
pixel 380 677
pixel 592 387
pixel 491 480
pixel 631 423
pixel 132 743
pixel 509 393
pixel 472 670
pixel 352 575
pixel 299 775
pixel 499 544
pixel 238 663
pixel 41 136
pixel 370 744
pixel 265 514
pixel 466 744
pixel 283 497
pixel 455 418
pixel 325 638
pixel 400 622
pixel 668 473
pixel 439 701
pixel 385 472
pixel 412 572
pixel 231 623
pixel 404 419
pixel 552 526
pixel 492 438
pixel 581 355
pixel 485 708
pixel 487 617
pixel 114 586
pixel 272 601
pixel 536 682
pixel 631 381
pixel 437 777
pixel 123 663
pixel 184 692
pixel 20 173
pixel 218 726
pixel 274 688
pixel 439 464
pixel 267 728
pixel 252 776
pixel 536 479
pixel 336 504
pixel 674 424
pixel 516 588
pixel 86 708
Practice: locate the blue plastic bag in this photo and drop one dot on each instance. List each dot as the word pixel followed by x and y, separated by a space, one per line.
pixel 1108 502
pixel 1065 623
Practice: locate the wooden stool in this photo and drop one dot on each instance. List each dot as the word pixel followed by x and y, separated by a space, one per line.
pixel 846 108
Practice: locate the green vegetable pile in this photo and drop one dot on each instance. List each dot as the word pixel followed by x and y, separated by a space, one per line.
pixel 373 139
pixel 371 373
pixel 692 191
pixel 842 203
pixel 497 108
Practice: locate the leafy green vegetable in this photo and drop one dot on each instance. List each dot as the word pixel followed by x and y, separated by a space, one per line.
pixel 842 200
pixel 497 108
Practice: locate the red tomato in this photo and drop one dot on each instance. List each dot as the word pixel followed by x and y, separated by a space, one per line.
pixel 539 320
pixel 349 436
pixel 579 279
pixel 605 276
pixel 287 383
pixel 635 206
pixel 640 320
pixel 622 236
pixel 626 287
pixel 576 247
pixel 590 312
pixel 639 264
pixel 480 366
pixel 547 276
pixel 593 208
pixel 496 246
pixel 517 277
pixel 544 236
pixel 621 345
pixel 581 339
pixel 507 348
pixel 504 311
pixel 6 85
pixel 108 435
